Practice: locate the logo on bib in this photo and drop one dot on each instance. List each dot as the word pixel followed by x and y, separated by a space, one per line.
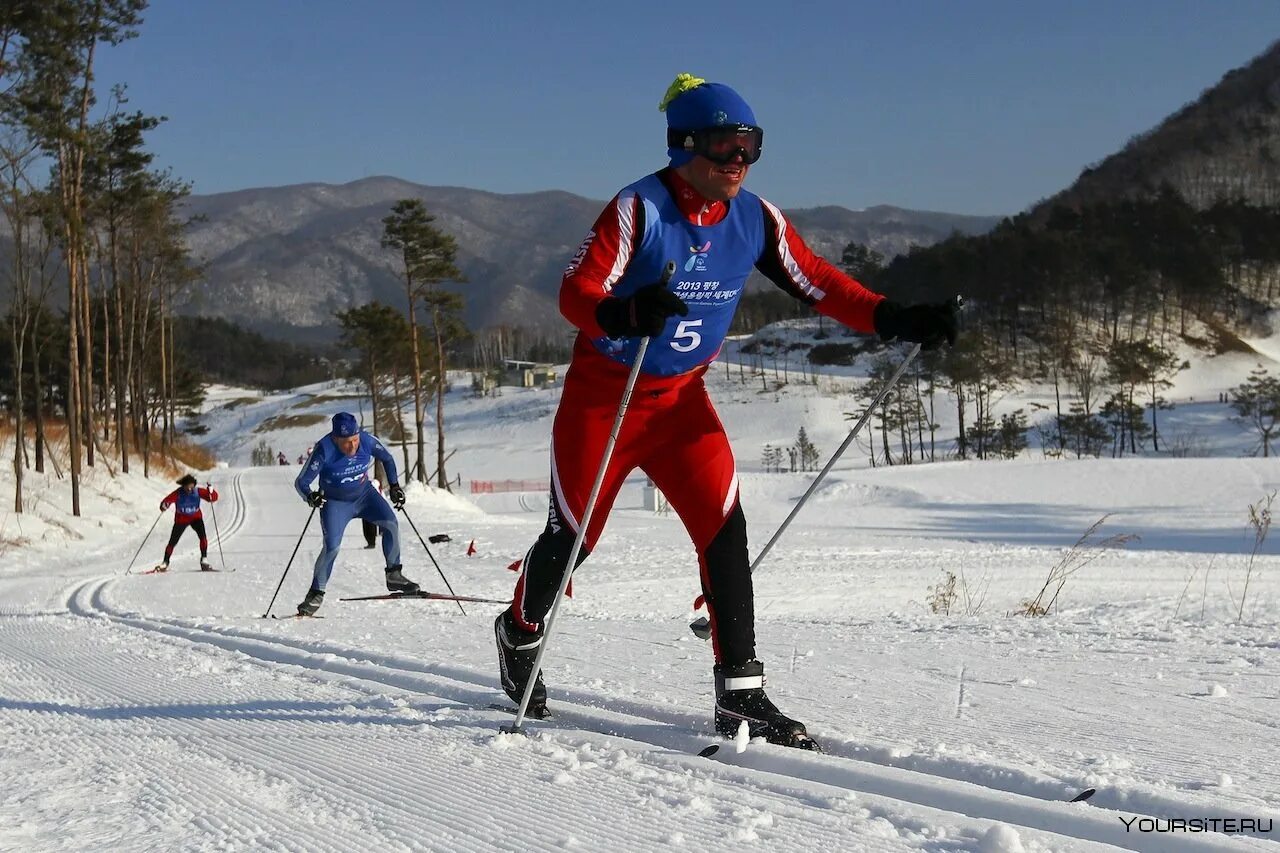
pixel 698 258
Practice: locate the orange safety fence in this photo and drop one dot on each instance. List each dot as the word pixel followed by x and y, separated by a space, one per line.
pixel 491 487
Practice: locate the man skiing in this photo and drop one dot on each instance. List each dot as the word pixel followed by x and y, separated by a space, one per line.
pixel 341 460
pixel 186 503
pixel 695 213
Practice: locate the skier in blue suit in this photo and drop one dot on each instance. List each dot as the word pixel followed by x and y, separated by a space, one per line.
pixel 341 460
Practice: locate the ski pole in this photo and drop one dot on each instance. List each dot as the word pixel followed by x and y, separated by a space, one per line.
pixel 848 439
pixel 702 625
pixel 956 304
pixel 290 563
pixel 584 524
pixel 433 559
pixel 144 542
pixel 216 534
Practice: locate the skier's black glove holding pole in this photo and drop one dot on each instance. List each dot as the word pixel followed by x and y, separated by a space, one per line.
pixel 927 324
pixel 640 315
pixel 397 496
pixel 315 500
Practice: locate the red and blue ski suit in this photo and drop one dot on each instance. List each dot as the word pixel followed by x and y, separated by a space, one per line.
pixel 186 513
pixel 671 430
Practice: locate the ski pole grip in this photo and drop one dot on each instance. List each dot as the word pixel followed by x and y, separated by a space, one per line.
pixel 667 272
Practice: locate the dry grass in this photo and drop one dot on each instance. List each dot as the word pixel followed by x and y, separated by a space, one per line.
pixel 289 421
pixel 323 399
pixel 1079 555
pixel 942 596
pixel 954 593
pixel 193 455
pixel 1223 340
pixel 185 456
pixel 1260 522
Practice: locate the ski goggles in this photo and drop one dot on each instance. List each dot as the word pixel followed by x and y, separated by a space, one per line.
pixel 721 145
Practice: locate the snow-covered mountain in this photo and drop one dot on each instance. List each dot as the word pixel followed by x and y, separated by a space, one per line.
pixel 284 259
pixel 162 712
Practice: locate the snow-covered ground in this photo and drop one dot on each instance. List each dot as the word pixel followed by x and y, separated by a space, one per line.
pixel 162 712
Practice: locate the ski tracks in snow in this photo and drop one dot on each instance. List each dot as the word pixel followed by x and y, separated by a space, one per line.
pixel 126 730
pixel 654 748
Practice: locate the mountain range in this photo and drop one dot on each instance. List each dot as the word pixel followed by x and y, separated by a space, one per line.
pixel 1222 146
pixel 283 260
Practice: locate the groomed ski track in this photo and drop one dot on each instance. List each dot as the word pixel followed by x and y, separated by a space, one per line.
pixel 194 735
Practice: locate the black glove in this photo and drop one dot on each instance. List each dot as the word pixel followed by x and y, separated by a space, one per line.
pixel 640 315
pixel 315 500
pixel 397 496
pixel 927 324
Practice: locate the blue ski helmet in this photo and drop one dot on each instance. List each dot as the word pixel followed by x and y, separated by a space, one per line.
pixel 692 103
pixel 345 425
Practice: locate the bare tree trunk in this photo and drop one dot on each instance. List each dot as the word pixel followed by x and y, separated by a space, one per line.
pixel 418 414
pixel 399 404
pixel 141 403
pixel 20 319
pixel 71 177
pixel 165 367
pixel 1057 401
pixel 373 390
pixel 171 396
pixel 86 363
pixel 107 395
pixel 73 370
pixel 122 376
pixel 18 343
pixel 38 391
pixel 442 481
pixel 884 432
pixel 136 336
pixel 1133 437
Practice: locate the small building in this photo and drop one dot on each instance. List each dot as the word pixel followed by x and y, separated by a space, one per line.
pixel 654 500
pixel 527 374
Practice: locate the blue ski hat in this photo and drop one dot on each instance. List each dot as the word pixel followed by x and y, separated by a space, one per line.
pixel 345 425
pixel 692 103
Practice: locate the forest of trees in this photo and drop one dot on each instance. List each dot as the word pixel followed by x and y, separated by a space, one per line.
pixel 1091 296
pixel 1090 302
pixel 215 349
pixel 94 256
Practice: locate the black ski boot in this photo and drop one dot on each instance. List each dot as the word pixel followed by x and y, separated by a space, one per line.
pixel 740 696
pixel 310 604
pixel 397 582
pixel 517 649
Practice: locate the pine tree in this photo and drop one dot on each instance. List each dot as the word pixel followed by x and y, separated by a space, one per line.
pixel 427 257
pixel 1257 403
pixel 805 450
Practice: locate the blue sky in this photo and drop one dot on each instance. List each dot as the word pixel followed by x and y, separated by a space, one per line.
pixel 973 106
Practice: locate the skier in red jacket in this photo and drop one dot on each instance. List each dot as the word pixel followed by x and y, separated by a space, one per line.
pixel 186 502
pixel 696 213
